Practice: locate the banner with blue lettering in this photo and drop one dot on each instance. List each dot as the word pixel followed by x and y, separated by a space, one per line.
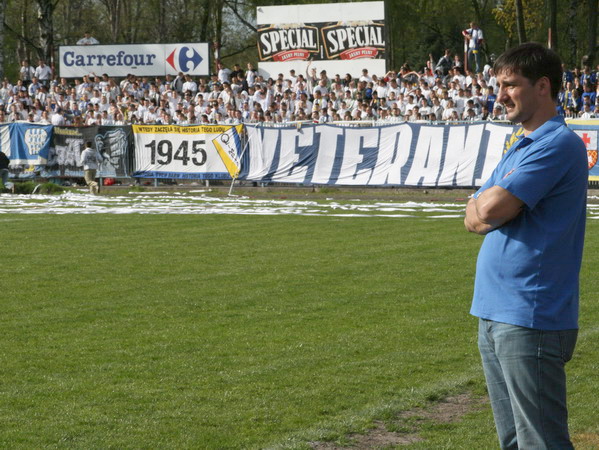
pixel 588 131
pixel 29 143
pixel 405 154
pixel 185 151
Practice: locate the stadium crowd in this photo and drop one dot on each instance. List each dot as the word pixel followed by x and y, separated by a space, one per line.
pixel 440 92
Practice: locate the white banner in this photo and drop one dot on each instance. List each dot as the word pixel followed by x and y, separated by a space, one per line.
pixel 136 59
pixel 173 151
pixel 395 155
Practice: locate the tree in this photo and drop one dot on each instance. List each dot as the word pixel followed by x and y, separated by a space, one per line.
pixel 552 4
pixel 520 22
pixel 2 10
pixel 511 15
pixel 113 9
pixel 45 24
pixel 592 31
pixel 572 31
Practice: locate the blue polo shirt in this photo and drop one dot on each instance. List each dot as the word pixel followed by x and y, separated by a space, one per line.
pixel 527 270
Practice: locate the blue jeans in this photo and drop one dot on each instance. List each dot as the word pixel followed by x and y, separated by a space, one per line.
pixel 4 176
pixel 474 55
pixel 526 380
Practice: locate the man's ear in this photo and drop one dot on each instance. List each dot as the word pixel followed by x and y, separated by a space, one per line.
pixel 544 86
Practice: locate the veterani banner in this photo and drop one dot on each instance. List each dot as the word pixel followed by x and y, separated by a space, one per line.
pixel 396 155
pixel 173 151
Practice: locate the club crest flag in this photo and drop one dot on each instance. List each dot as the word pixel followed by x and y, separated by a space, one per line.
pixel 589 137
pixel 228 146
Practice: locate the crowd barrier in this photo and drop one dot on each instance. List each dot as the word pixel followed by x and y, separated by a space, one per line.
pixel 402 154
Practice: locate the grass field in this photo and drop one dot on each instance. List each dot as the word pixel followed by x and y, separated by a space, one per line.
pixel 221 331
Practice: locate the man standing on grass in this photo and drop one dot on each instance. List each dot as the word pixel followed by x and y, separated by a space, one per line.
pixel 532 211
pixel 91 160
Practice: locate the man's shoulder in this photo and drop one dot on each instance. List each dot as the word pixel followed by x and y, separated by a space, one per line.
pixel 560 144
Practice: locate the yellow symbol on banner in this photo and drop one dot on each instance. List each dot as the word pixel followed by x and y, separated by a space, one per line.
pixel 512 139
pixel 228 146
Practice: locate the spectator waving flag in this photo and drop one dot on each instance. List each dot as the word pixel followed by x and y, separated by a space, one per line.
pixel 228 145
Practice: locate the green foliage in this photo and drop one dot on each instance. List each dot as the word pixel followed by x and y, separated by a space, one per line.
pixel 27 187
pixel 156 331
pixel 416 29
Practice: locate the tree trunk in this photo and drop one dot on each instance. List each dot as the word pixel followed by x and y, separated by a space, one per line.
pixel 45 9
pixel 592 31
pixel 572 32
pixel 520 22
pixel 218 28
pixel 113 8
pixel 21 47
pixel 388 36
pixel 205 21
pixel 553 24
pixel 2 10
pixel 162 32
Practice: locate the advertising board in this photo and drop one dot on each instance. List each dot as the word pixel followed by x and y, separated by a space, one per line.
pixel 136 59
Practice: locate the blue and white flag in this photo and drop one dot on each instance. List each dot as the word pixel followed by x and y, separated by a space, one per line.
pixel 29 143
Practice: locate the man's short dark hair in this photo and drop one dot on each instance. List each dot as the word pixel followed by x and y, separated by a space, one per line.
pixel 533 61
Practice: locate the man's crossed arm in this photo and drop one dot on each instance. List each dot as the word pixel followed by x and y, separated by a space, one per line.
pixel 493 207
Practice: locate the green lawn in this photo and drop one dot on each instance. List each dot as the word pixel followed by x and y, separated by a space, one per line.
pixel 199 331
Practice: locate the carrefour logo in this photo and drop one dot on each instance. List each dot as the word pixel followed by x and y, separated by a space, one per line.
pixel 184 59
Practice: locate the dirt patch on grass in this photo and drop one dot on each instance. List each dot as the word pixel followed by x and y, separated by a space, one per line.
pixel 585 441
pixel 404 430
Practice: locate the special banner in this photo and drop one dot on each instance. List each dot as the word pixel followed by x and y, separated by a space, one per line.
pixel 112 142
pixel 395 155
pixel 186 152
pixel 321 32
pixel 322 41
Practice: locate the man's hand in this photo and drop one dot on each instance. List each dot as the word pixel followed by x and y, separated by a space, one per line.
pixel 493 208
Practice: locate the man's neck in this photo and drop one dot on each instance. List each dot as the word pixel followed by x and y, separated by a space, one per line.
pixel 543 115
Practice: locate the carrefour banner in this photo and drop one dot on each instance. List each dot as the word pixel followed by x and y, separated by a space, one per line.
pixel 588 130
pixel 29 143
pixel 396 155
pixel 136 59
pixel 191 152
